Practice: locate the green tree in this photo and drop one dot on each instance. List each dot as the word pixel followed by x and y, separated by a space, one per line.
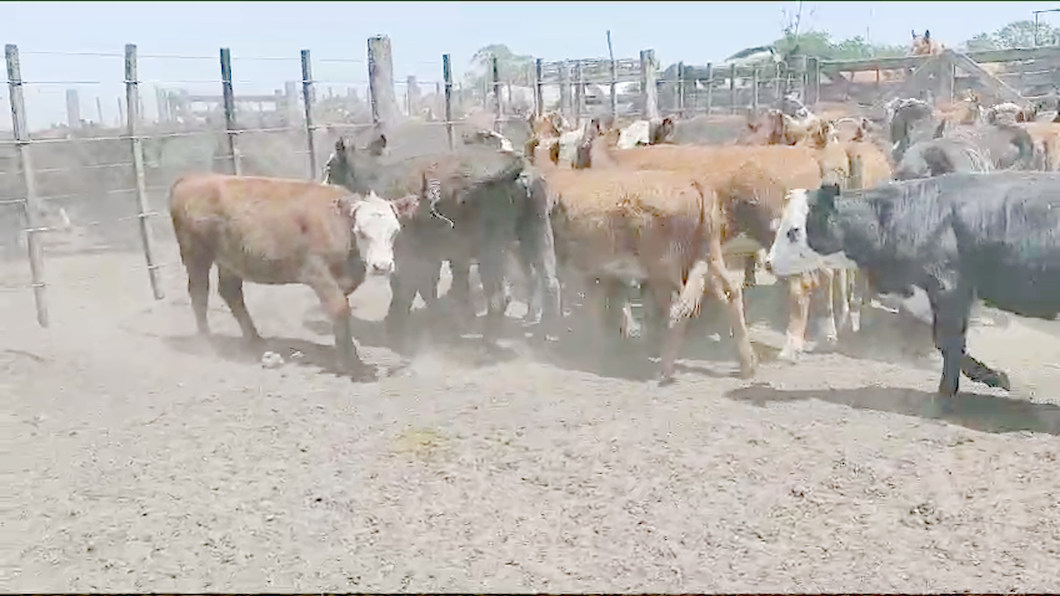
pixel 819 44
pixel 1021 34
pixel 511 67
pixel 982 42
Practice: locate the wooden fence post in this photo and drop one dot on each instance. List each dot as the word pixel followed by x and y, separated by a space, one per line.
pixel 381 82
pixel 307 108
pixel 447 74
pixel 613 72
pixel 498 104
pixel 732 88
pixel 815 74
pixel 579 92
pixel 680 87
pixel 754 91
pixel 649 93
pixel 564 89
pixel 412 95
pixel 539 89
pixel 710 87
pixel 230 111
pixel 132 100
pixel 32 204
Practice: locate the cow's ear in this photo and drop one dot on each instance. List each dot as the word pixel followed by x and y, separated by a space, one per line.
pixel 940 129
pixel 377 146
pixel 340 145
pixel 405 208
pixel 774 224
pixel 826 196
pixel 927 34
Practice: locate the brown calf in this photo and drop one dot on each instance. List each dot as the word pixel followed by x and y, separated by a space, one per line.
pixel 646 226
pixel 278 231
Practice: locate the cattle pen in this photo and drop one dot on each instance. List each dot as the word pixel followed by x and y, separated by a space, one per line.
pixel 148 462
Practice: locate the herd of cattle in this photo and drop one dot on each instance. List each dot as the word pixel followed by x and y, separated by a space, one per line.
pixel 923 210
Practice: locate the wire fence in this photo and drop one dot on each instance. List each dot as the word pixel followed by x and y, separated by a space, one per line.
pixel 97 179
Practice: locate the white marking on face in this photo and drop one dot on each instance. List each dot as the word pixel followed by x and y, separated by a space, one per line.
pixel 790 253
pixel 375 226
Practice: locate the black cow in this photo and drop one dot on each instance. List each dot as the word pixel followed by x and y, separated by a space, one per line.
pixel 936 157
pixel 473 203
pixel 979 148
pixel 994 236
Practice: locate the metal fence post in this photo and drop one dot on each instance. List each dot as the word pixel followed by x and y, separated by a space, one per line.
pixel 132 102
pixel 307 99
pixel 32 204
pixel 539 89
pixel 447 73
pixel 230 111
pixel 498 106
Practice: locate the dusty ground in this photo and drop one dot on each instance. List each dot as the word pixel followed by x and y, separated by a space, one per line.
pixel 140 462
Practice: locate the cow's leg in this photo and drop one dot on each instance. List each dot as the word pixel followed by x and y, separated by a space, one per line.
pixel 951 308
pixel 859 296
pixel 843 278
pixel 459 295
pixel 799 288
pixel 230 287
pixel 732 294
pixel 825 291
pixel 199 292
pixel 725 290
pixel 402 294
pixel 749 266
pixel 491 272
pixel 620 303
pixel 656 308
pixel 197 263
pixel 537 244
pixel 335 304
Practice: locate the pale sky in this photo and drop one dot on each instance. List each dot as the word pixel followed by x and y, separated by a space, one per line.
pixel 695 33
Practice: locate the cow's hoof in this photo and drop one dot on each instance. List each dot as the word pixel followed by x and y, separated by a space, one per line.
pixel 358 371
pixel 789 355
pixel 1003 381
pixel 748 371
pixel 665 379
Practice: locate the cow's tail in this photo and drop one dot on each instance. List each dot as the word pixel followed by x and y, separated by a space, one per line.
pixel 691 296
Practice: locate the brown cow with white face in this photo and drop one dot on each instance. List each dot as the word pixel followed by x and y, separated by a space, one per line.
pixel 279 231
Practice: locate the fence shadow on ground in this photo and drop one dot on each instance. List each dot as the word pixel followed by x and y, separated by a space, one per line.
pixel 980 412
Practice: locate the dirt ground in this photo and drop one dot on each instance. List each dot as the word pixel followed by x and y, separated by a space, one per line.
pixel 139 461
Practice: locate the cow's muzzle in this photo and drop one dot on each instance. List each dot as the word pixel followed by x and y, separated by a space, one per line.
pixel 381 268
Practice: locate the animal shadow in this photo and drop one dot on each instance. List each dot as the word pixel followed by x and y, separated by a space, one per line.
pixel 428 333
pixel 295 351
pixel 985 413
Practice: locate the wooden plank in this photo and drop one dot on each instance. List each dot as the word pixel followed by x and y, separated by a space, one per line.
pixel 1047 53
pixel 903 62
pixel 912 81
pixel 994 84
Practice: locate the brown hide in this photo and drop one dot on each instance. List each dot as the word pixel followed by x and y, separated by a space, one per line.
pixel 264 229
pixel 270 231
pixel 649 225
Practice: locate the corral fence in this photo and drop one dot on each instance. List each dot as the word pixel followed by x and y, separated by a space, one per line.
pixel 589 87
pixel 97 185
